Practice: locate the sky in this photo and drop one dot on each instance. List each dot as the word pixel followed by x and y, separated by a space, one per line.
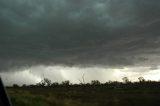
pixel 64 39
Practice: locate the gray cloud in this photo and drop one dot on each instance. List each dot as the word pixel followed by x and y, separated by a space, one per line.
pixel 87 32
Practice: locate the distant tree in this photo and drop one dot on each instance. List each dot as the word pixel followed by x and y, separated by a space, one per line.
pixel 125 79
pixel 55 84
pixel 39 84
pixel 95 82
pixel 15 85
pixel 83 80
pixel 44 82
pixel 32 85
pixel 110 81
pixel 66 83
pixel 141 79
pixel 87 84
pixel 24 85
pixel 47 81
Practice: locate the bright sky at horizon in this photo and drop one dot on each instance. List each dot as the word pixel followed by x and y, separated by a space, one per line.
pixel 35 74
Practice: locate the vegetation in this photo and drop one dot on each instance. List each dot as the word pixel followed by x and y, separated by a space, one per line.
pixel 112 93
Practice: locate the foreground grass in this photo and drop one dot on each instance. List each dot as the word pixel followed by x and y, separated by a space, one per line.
pixel 83 96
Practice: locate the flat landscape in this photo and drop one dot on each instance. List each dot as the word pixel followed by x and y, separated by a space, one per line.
pixel 87 95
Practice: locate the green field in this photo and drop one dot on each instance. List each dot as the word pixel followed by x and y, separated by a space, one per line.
pixel 83 96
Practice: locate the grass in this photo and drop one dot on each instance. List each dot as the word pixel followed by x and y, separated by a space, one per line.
pixel 83 96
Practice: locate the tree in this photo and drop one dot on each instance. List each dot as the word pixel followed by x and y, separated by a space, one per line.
pixel 45 82
pixel 125 79
pixel 95 82
pixel 66 83
pixel 82 83
pixel 55 84
pixel 141 79
pixel 24 85
pixel 15 85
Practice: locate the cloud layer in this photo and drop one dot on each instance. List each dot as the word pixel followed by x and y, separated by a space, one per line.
pixel 112 33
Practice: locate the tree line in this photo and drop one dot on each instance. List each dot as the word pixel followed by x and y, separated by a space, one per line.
pixel 141 83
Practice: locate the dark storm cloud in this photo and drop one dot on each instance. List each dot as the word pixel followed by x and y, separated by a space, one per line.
pixel 85 32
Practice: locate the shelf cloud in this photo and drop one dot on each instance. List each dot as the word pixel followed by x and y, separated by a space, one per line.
pixel 107 33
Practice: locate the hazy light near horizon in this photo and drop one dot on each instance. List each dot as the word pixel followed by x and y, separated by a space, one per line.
pixel 35 74
pixel 20 77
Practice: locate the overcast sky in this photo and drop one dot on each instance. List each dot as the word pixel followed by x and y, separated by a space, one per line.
pixel 78 36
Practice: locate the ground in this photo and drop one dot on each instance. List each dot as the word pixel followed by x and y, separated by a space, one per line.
pixel 83 96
